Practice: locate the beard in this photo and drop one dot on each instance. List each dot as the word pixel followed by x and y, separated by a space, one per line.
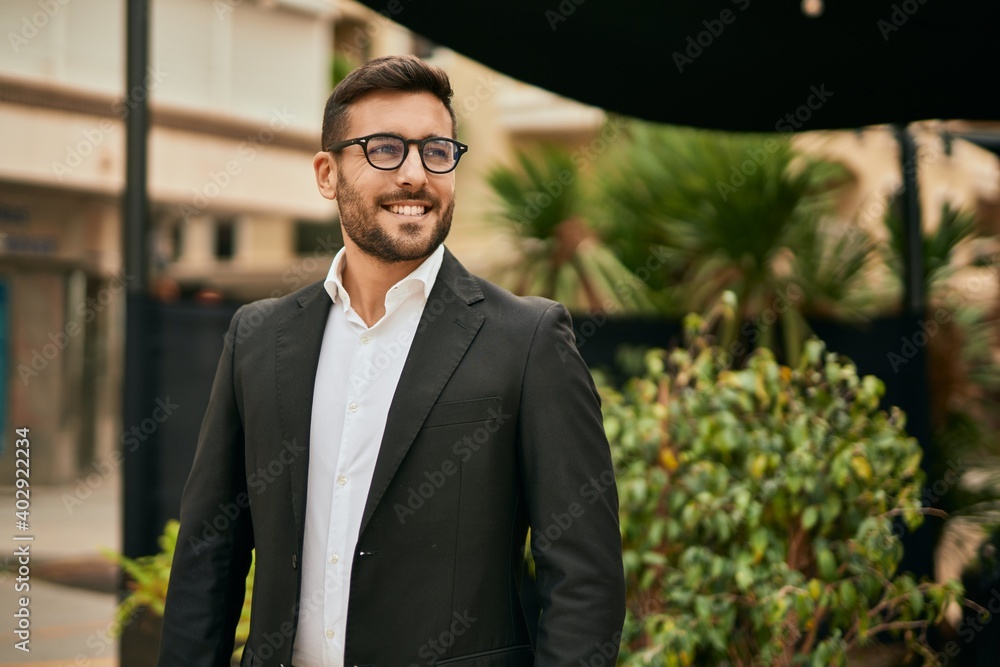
pixel 360 222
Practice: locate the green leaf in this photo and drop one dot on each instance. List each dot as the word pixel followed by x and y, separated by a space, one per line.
pixel 809 517
pixel 848 594
pixel 826 564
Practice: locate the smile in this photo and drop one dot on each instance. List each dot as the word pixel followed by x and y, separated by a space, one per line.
pixel 407 210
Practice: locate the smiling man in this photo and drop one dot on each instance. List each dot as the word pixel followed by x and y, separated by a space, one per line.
pixel 411 421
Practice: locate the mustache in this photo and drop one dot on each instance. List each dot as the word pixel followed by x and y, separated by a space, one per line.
pixel 422 194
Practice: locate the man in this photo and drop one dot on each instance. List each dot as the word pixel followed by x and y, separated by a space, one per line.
pixel 384 439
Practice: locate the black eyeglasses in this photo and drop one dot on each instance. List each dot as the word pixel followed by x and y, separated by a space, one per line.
pixel 439 155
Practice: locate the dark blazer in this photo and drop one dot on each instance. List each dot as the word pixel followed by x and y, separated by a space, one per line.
pixel 495 425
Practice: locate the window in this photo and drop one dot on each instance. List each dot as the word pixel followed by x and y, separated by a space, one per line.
pixel 225 233
pixel 323 238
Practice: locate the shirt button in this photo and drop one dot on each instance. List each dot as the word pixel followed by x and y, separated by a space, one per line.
pixel 335 558
pixel 329 634
pixel 365 340
pixel 342 480
pixel 353 407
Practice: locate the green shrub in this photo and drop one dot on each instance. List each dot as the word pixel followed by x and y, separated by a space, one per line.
pixel 147 583
pixel 760 511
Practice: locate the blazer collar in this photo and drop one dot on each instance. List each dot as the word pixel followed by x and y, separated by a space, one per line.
pixel 299 338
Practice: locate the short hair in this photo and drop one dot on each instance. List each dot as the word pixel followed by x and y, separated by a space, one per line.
pixel 407 74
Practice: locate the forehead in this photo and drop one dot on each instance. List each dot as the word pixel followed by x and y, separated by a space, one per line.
pixel 412 115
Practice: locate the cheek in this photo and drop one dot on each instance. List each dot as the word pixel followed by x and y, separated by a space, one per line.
pixel 361 181
pixel 444 190
pixel 360 188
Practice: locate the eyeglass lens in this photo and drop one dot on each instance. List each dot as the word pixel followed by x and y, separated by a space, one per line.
pixel 386 152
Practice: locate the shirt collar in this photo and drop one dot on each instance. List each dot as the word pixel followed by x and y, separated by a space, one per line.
pixel 424 275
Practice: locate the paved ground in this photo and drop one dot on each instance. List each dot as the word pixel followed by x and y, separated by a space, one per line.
pixel 69 620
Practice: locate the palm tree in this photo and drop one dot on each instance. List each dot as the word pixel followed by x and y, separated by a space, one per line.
pixel 740 213
pixel 560 255
pixel 964 376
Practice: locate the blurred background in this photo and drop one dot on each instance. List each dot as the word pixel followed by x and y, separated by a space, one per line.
pixel 632 223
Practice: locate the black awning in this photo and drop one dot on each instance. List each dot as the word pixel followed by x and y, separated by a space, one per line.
pixel 744 65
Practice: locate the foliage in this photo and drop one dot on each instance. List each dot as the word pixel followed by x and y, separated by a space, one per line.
pixel 758 508
pixel 964 374
pixel 938 247
pixel 148 577
pixel 736 212
pixel 560 255
pixel 671 218
pixel 341 65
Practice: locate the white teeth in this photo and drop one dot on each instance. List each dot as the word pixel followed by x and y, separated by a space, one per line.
pixel 408 210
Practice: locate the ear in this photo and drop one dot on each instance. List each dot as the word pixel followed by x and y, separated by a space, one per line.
pixel 326 174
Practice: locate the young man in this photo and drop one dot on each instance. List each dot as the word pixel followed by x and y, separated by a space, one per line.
pixel 385 439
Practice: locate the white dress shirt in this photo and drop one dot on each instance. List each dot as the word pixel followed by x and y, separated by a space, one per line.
pixel 359 367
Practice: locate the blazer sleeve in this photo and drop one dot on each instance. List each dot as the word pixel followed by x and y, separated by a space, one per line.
pixel 207 578
pixel 572 502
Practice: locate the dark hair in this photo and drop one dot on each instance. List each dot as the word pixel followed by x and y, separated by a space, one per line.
pixel 407 74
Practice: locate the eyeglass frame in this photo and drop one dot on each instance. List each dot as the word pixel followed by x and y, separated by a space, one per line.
pixel 363 142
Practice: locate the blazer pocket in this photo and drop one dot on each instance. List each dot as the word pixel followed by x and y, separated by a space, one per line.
pixel 481 410
pixel 516 656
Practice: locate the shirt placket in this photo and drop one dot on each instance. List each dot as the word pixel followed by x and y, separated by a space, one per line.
pixel 340 547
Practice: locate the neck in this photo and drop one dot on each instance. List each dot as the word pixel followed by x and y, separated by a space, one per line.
pixel 368 279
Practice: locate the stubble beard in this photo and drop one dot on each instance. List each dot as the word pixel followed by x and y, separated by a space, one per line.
pixel 360 223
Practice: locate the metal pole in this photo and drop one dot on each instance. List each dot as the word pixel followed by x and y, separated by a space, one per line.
pixel 139 537
pixel 918 554
pixel 914 289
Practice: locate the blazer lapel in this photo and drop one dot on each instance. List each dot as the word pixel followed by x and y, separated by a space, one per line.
pixel 446 329
pixel 299 338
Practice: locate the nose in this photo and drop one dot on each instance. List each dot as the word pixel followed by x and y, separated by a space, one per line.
pixel 411 173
